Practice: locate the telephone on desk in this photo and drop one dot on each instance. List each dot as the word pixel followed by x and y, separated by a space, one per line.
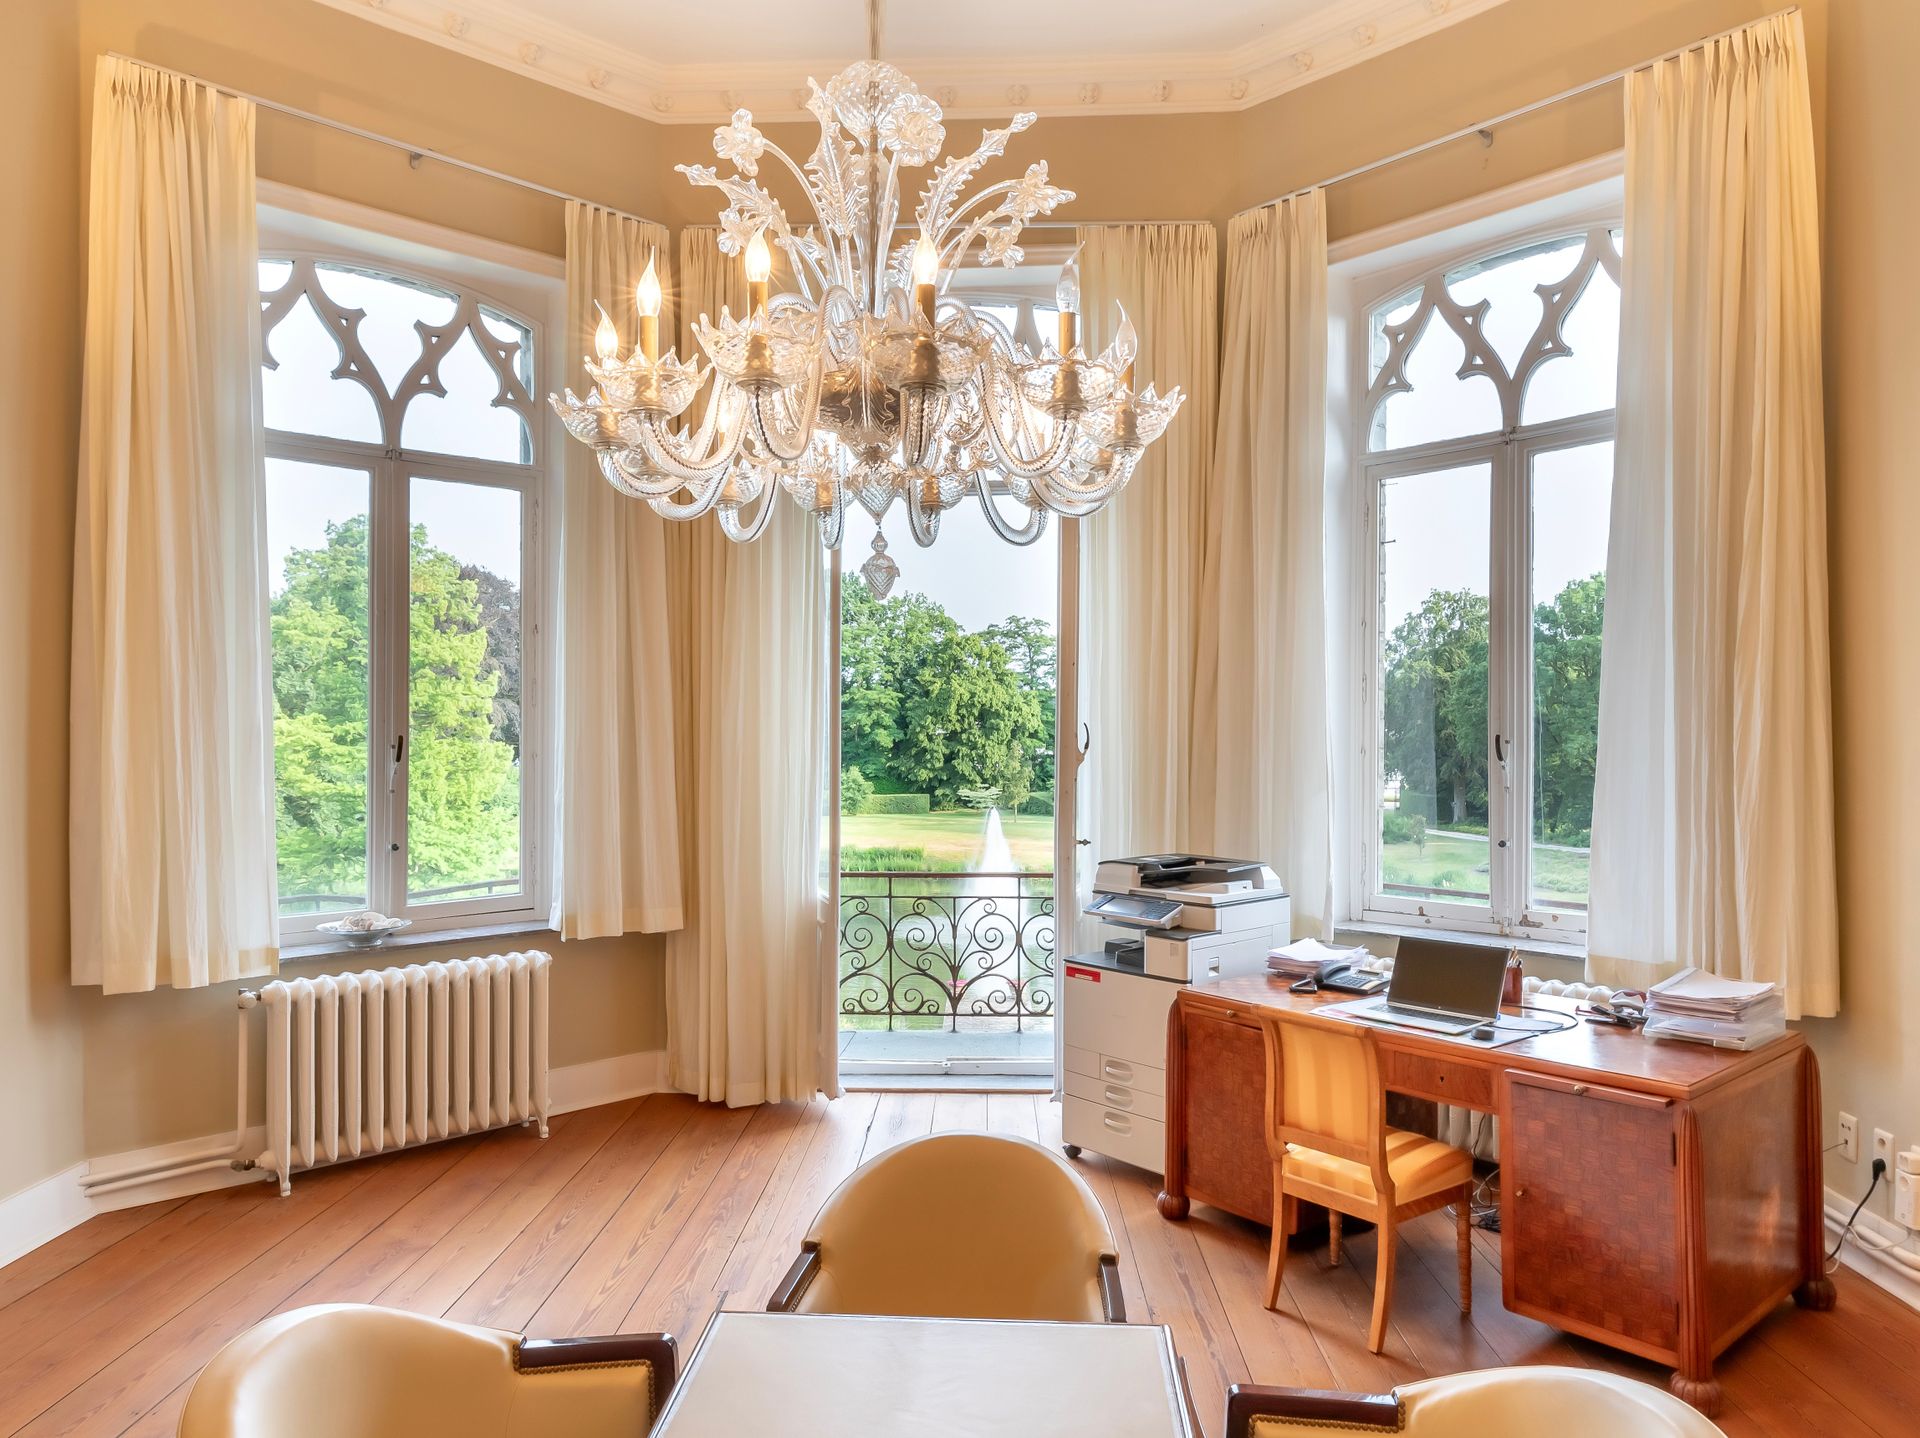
pixel 1346 979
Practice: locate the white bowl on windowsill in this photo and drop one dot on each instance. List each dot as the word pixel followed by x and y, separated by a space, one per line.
pixel 363 936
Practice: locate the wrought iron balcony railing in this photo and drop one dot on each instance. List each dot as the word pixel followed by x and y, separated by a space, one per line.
pixel 959 952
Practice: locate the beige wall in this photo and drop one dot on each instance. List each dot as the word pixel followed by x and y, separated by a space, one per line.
pixel 40 1069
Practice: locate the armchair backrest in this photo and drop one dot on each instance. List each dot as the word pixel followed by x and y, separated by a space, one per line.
pixel 1323 1090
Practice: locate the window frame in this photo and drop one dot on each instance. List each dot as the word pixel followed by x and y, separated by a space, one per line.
pixel 526 289
pixel 1509 453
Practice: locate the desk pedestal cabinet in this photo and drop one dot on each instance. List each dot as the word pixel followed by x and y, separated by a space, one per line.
pixel 1659 1198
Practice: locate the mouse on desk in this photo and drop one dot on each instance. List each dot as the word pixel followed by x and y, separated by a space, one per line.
pixel 1486 1033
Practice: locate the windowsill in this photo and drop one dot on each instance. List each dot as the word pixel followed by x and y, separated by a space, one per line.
pixel 328 948
pixel 1549 954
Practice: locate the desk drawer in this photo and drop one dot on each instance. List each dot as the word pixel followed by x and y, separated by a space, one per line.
pixel 1443 1080
pixel 1125 1097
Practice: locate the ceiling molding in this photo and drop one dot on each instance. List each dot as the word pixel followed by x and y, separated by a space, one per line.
pixel 1335 36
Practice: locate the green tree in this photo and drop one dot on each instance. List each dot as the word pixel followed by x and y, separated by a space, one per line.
pixel 462 769
pixel 856 790
pixel 1435 703
pixel 1030 644
pixel 1566 709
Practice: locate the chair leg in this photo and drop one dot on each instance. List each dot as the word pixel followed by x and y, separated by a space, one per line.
pixel 1277 1245
pixel 1333 1237
pixel 1382 1284
pixel 1464 1209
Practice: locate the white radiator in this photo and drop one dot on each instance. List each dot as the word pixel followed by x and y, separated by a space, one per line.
pixel 360 1064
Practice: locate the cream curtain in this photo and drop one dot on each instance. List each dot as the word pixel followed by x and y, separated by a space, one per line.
pixel 1263 757
pixel 617 824
pixel 1713 839
pixel 751 978
pixel 1141 558
pixel 172 822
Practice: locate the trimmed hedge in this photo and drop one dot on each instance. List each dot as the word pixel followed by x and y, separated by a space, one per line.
pixel 898 804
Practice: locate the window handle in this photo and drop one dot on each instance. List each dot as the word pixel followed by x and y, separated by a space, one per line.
pixel 399 758
pixel 1502 752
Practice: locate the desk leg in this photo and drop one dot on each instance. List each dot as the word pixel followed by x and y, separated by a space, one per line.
pixel 1172 1203
pixel 1816 1290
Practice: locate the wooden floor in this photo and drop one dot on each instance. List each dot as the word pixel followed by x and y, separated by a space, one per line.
pixel 651 1213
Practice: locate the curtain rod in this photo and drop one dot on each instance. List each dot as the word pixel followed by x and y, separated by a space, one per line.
pixel 414 153
pixel 1484 128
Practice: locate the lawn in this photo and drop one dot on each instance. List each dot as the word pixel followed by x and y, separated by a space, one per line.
pixel 952 837
pixel 1459 861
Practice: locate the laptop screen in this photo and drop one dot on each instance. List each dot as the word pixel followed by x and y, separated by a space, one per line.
pixel 1460 978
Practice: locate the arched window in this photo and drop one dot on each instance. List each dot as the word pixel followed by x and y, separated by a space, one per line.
pixel 1485 449
pixel 405 462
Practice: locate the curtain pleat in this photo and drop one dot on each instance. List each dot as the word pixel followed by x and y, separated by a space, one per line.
pixel 750 979
pixel 172 791
pixel 1142 557
pixel 1263 758
pixel 618 867
pixel 1713 837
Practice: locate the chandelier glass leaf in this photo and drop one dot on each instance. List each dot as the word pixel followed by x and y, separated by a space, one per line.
pixel 869 380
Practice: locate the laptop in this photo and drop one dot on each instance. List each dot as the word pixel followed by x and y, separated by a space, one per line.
pixel 1441 987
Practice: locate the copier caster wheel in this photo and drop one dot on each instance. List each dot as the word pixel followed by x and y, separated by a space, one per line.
pixel 1071 1150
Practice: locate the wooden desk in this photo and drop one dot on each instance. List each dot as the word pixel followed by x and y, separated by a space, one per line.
pixel 816 1376
pixel 1658 1197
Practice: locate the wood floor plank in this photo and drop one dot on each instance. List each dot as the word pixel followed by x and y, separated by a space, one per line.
pixel 649 1214
pixel 960 1113
pixel 72 1295
pixel 118 1393
pixel 516 1283
pixel 603 1284
pixel 44 1264
pixel 684 1290
pixel 1013 1114
pixel 832 1153
pixel 61 1356
pixel 434 1282
pixel 896 1118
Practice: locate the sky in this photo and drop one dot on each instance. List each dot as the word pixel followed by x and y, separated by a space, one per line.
pixel 975 575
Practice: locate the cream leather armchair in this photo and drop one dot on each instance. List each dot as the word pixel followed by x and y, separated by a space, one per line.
pixel 959 1225
pixel 1493 1403
pixel 339 1369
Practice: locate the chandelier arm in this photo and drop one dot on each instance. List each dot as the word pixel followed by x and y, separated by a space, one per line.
pixel 922 523
pixel 1007 452
pixel 786 448
pixel 704 498
pixel 1025 534
pixel 656 444
pixel 638 480
pixel 746 533
pixel 833 519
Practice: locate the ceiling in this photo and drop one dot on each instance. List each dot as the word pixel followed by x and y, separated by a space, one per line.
pixel 698 60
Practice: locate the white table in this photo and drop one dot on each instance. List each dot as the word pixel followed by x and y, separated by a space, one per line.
pixel 797 1375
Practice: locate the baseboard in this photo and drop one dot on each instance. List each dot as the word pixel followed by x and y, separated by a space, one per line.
pixel 1883 1271
pixel 608 1080
pixel 43 1212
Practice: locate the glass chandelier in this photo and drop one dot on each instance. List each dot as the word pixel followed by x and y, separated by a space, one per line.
pixel 870 380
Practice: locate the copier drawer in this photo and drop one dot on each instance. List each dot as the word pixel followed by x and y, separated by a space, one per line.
pixel 1121 1097
pixel 1110 1068
pixel 1129 1137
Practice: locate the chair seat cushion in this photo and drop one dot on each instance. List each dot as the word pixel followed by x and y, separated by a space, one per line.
pixel 1420 1167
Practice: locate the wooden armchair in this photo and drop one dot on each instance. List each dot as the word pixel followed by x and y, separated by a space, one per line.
pixel 383 1373
pixel 1493 1403
pixel 959 1225
pixel 1328 1136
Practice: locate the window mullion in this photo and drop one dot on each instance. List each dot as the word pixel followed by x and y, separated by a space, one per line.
pixel 387 835
pixel 1507 687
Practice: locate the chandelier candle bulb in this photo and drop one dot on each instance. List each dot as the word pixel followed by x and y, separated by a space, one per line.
pixel 646 298
pixel 606 339
pixel 926 269
pixel 759 271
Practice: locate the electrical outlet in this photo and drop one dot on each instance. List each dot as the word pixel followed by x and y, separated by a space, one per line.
pixel 1849 1138
pixel 1905 1187
pixel 1883 1148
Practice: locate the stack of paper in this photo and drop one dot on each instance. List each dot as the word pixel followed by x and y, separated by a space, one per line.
pixel 1731 1013
pixel 1305 958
